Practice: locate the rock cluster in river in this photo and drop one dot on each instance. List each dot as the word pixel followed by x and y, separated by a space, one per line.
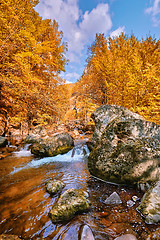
pixel 125 148
pixel 71 202
pixel 52 146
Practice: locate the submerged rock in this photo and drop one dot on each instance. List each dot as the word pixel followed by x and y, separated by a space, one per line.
pixel 126 150
pixel 126 237
pixel 86 233
pixel 150 204
pixel 114 198
pixel 52 146
pixel 54 186
pixel 69 204
pixel 3 141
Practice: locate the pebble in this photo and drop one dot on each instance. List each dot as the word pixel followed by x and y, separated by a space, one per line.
pixel 126 237
pixel 86 233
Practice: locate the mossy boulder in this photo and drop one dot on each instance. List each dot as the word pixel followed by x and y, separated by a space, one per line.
pixel 32 138
pixel 150 204
pixel 52 146
pixel 105 114
pixel 127 151
pixel 54 186
pixel 70 203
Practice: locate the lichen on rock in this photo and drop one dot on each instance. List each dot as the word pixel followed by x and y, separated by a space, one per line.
pixel 52 146
pixel 127 150
pixel 150 204
pixel 54 186
pixel 69 204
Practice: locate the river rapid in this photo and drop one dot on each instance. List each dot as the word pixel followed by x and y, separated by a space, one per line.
pixel 25 204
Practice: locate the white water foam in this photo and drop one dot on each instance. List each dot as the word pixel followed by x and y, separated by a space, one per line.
pixel 78 153
pixel 24 152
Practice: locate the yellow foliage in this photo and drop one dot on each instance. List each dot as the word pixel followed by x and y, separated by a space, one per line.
pixel 31 57
pixel 124 71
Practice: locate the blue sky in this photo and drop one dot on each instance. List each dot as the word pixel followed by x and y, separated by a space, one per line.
pixel 80 20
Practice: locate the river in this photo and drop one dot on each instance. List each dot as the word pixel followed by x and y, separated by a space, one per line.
pixel 25 204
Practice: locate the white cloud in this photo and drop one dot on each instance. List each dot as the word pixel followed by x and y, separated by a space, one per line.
pixel 117 32
pixel 78 28
pixel 154 11
pixel 70 76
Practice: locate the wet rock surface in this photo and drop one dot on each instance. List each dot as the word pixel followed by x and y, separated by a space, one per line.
pixel 150 204
pixel 113 199
pixel 69 204
pixel 54 186
pixel 52 146
pixel 86 233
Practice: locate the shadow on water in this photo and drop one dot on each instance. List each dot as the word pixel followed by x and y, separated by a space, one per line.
pixel 24 203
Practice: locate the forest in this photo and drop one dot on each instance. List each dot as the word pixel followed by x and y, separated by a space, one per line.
pixel 122 70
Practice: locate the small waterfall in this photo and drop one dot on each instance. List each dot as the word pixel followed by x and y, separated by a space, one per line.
pixel 24 151
pixel 79 153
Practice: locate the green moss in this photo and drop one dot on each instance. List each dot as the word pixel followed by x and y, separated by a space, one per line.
pixel 70 203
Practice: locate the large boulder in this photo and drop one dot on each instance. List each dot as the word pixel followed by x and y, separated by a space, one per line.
pixel 150 204
pixel 106 114
pixel 52 146
pixel 126 148
pixel 32 138
pixel 3 141
pixel 69 204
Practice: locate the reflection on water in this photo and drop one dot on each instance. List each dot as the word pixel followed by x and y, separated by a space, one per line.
pixel 24 203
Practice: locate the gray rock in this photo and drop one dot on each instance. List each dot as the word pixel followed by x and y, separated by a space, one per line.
pixel 135 198
pixel 3 141
pixel 86 233
pixel 113 199
pixel 126 237
pixel 69 204
pixel 106 114
pixel 128 150
pixel 150 204
pixel 32 138
pixel 54 186
pixel 130 203
pixel 52 146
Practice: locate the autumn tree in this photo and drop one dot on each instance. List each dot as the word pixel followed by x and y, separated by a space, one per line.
pixel 125 71
pixel 31 58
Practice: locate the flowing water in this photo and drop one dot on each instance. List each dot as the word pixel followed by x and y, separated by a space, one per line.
pixel 25 204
